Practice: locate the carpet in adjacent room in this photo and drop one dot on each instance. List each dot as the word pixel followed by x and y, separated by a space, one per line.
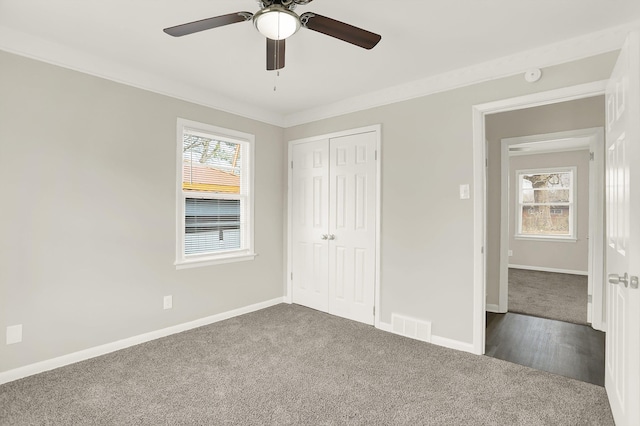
pixel 551 295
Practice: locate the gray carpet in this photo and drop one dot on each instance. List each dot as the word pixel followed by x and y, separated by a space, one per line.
pixel 292 365
pixel 561 297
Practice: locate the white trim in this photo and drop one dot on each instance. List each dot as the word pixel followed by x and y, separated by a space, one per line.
pixel 572 204
pixel 492 307
pixel 597 284
pixel 384 326
pixel 545 269
pixel 454 344
pixel 546 151
pixel 378 300
pixel 564 94
pixel 247 161
pixel 594 141
pixel 479 208
pixel 218 260
pixel 377 128
pixel 61 361
pixel 553 54
pixel 546 238
pixel 47 51
pixel 435 340
pixel 479 237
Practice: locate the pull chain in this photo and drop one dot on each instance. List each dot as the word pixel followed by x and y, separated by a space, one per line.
pixel 275 80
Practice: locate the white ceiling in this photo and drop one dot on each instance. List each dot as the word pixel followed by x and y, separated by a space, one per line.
pixel 225 67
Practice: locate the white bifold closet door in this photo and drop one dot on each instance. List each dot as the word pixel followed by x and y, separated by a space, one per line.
pixel 334 225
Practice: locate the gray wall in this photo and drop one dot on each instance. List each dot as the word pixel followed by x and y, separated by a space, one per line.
pixel 553 254
pixel 87 171
pixel 427 231
pixel 564 116
pixel 88 178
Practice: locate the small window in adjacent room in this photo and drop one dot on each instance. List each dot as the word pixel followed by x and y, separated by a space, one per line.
pixel 215 195
pixel 546 203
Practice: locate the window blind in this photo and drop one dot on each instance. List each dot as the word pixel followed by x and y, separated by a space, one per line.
pixel 214 194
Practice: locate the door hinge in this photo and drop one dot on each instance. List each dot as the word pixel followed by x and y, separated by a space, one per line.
pixel 486 162
pixel 482 249
pixel 292 276
pixel 375 155
pixel 374 311
pixel 591 155
pixel 292 164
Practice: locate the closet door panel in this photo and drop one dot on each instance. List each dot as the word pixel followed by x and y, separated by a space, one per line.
pixel 352 208
pixel 310 188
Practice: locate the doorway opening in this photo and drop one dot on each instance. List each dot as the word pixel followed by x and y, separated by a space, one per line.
pixel 480 191
pixel 545 237
pixel 549 245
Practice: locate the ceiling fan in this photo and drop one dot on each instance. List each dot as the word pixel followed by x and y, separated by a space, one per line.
pixel 276 20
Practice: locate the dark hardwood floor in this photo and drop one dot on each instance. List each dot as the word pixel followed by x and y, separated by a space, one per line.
pixel 563 348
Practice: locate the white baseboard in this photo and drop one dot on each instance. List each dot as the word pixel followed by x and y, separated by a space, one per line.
pixel 61 361
pixel 490 307
pixel 453 344
pixel 436 340
pixel 544 269
pixel 384 326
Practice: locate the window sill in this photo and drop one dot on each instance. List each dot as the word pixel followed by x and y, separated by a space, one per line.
pixel 546 238
pixel 217 260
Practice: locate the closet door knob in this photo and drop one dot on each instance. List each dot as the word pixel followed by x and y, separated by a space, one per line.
pixel 332 237
pixel 325 237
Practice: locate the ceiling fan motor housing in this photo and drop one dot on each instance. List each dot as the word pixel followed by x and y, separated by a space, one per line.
pixel 290 4
pixel 276 22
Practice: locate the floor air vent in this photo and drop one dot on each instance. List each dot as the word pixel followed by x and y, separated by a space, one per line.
pixel 410 327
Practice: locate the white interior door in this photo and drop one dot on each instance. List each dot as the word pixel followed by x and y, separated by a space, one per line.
pixel 352 226
pixel 310 226
pixel 622 365
pixel 334 225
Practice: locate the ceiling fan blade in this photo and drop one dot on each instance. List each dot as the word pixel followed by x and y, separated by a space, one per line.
pixel 340 30
pixel 275 54
pixel 207 24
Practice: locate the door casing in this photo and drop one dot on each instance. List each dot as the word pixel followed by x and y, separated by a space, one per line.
pixel 479 184
pixel 594 141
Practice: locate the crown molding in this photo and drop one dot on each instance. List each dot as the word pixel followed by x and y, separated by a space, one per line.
pixel 553 54
pixel 565 51
pixel 29 46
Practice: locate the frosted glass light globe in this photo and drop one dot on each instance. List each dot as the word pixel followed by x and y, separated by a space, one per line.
pixel 276 22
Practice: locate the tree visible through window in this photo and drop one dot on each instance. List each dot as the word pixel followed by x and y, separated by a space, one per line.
pixel 546 203
pixel 215 194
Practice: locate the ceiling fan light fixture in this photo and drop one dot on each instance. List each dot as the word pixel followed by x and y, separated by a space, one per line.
pixel 276 22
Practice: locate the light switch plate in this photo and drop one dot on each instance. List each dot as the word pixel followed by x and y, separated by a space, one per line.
pixel 464 191
pixel 168 302
pixel 14 334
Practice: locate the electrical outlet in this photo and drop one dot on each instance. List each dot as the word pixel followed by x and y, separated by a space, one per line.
pixel 510 252
pixel 14 334
pixel 168 302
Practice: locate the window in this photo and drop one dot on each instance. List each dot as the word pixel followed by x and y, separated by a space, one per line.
pixel 546 203
pixel 215 195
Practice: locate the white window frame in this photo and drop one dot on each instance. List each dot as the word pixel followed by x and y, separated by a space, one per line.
pixel 246 251
pixel 572 205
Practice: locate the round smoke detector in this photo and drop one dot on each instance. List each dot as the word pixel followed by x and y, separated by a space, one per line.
pixel 533 75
